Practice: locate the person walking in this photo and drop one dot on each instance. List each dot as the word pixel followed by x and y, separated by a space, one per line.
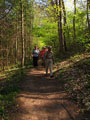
pixel 49 60
pixel 42 52
pixel 35 54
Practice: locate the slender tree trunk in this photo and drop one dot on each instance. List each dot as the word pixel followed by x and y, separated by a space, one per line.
pixel 7 55
pixel 88 9
pixel 22 34
pixel 65 22
pixel 26 44
pixel 59 18
pixel 16 47
pixel 3 62
pixel 68 33
pixel 74 29
pixel 60 22
pixel 16 42
pixel 1 52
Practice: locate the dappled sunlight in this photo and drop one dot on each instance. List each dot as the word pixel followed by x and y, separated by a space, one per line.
pixel 48 107
pixel 76 79
pixel 70 62
pixel 46 96
pixel 43 98
pixel 44 60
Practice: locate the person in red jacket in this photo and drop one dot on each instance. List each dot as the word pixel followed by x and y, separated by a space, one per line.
pixel 42 53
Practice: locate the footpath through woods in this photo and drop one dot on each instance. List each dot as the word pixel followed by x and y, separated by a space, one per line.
pixel 44 98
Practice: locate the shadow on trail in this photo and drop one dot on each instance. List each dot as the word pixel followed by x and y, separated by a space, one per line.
pixel 44 98
pixel 43 86
pixel 37 83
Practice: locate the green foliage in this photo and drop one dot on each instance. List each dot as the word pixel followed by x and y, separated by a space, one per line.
pixel 41 28
pixel 9 91
pixel 47 34
pixel 75 76
pixel 46 28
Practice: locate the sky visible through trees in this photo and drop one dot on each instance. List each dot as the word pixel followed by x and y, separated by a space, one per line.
pixel 62 24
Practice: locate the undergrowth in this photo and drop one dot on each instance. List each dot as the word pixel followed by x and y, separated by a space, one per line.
pixel 74 73
pixel 9 88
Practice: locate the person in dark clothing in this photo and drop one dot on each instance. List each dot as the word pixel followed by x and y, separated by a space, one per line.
pixel 35 54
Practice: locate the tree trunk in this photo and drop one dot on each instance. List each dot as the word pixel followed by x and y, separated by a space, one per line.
pixel 65 22
pixel 88 9
pixel 7 55
pixel 16 47
pixel 74 29
pixel 16 43
pixel 60 22
pixel 22 35
pixel 59 18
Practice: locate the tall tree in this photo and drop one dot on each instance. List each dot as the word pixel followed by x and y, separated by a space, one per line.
pixel 16 41
pixel 74 27
pixel 22 33
pixel 88 10
pixel 65 22
pixel 60 27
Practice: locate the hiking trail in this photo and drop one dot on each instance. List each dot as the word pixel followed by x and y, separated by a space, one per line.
pixel 44 98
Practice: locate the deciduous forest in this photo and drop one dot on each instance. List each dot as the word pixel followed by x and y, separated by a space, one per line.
pixel 62 24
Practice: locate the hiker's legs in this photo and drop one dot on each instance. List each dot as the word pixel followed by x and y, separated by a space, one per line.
pixel 35 61
pixel 47 66
pixel 43 62
pixel 51 67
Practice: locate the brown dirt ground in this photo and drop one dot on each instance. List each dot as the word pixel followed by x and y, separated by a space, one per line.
pixel 43 98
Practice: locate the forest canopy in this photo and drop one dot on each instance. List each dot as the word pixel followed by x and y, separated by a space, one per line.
pixel 63 24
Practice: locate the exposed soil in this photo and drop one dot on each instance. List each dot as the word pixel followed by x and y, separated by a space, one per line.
pixel 44 98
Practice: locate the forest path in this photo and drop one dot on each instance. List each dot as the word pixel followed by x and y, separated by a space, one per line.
pixel 43 98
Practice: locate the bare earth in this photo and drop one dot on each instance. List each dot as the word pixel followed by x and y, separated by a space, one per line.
pixel 43 98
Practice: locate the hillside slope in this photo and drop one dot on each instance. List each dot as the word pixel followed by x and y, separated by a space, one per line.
pixel 74 73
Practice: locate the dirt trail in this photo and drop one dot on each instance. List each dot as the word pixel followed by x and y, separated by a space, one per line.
pixel 43 98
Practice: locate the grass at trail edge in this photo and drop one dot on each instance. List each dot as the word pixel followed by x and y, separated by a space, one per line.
pixel 9 89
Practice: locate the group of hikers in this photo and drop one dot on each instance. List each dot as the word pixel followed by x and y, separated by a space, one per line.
pixel 46 56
